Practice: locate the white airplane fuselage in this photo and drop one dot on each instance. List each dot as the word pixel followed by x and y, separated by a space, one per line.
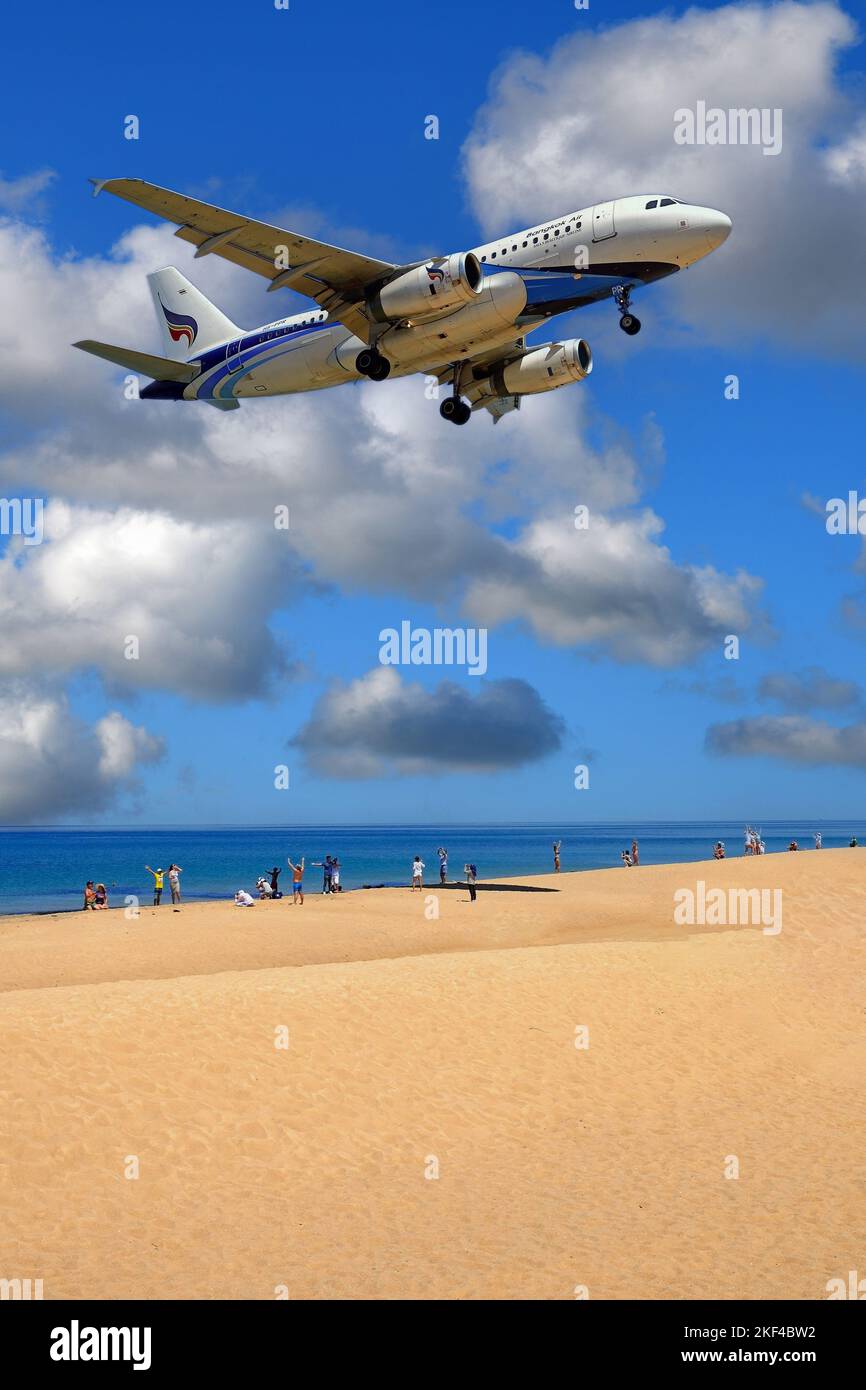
pixel 528 277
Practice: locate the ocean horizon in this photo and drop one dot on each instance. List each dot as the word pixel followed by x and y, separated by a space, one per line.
pixel 44 869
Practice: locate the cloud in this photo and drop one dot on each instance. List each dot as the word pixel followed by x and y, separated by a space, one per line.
pixel 813 688
pixel 791 738
pixel 594 120
pixel 53 764
pixel 19 195
pixel 380 724
pixel 195 599
pixel 613 586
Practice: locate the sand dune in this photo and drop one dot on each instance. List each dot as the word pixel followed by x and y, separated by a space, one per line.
pixel 431 1130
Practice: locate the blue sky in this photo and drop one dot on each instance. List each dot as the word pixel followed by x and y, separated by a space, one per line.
pixel 317 114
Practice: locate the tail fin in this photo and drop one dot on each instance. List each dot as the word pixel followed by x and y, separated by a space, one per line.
pixel 190 324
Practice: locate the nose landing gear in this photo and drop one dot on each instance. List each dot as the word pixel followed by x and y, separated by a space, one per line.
pixel 627 320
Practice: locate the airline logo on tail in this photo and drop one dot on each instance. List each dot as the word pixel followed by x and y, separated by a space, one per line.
pixel 180 326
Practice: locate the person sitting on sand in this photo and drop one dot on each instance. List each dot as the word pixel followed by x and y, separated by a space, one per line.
pixel 626 858
pixel 417 873
pixel 244 899
pixel 101 897
pixel 443 864
pixel 718 850
pixel 793 845
pixel 852 843
pixel 89 895
pixel 158 880
pixel 297 882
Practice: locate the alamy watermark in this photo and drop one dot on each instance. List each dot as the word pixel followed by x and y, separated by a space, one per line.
pixel 737 126
pixel 22 516
pixel 846 517
pixel 438 646
pixel 736 907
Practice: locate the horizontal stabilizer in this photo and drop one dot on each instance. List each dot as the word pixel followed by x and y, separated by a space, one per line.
pixel 160 368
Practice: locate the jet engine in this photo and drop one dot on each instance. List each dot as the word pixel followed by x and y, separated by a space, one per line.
pixel 434 288
pixel 543 368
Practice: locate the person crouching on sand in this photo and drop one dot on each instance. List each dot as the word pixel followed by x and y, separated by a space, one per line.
pixel 244 899
pixel 417 873
pixel 297 882
pixel 626 858
pixel 158 881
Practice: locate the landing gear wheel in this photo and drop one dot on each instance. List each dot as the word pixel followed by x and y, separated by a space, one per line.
pixel 629 324
pixel 372 364
pixel 455 410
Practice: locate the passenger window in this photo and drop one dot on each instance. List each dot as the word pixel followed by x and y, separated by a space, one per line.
pixel 493 255
pixel 667 202
pixel 484 258
pixel 653 204
pixel 505 250
pixel 526 243
pixel 568 229
pixel 514 247
pixel 535 241
pixel 547 236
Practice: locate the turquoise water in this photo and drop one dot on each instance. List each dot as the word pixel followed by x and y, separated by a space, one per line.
pixel 45 870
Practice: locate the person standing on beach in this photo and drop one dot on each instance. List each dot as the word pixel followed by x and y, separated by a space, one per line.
pixel 158 880
pixel 275 877
pixel 557 846
pixel 89 895
pixel 443 864
pixel 297 882
pixel 818 840
pixel 327 867
pixel 174 873
pixel 417 873
pixel 634 858
pixel 471 878
pixel 335 875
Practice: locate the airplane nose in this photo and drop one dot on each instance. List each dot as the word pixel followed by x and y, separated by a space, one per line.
pixel 717 227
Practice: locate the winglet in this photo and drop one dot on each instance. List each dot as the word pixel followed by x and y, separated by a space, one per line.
pixel 98 185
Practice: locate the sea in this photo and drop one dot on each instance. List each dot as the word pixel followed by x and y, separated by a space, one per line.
pixel 44 870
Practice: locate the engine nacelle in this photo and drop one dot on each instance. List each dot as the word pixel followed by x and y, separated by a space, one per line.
pixel 434 288
pixel 543 369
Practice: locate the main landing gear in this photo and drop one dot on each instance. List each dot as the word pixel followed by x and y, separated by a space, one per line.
pixel 372 364
pixel 627 321
pixel 453 408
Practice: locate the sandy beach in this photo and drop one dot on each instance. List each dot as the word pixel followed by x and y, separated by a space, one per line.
pixel 431 1129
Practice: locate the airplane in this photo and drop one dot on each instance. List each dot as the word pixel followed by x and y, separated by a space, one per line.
pixel 461 318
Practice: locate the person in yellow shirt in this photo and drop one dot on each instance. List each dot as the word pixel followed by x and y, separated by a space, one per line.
pixel 158 882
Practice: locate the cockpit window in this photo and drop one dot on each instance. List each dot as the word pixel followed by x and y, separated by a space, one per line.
pixel 653 204
pixel 667 202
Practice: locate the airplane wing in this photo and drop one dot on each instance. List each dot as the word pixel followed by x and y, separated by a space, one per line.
pixel 334 278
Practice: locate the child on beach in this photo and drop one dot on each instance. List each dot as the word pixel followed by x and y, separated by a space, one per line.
pixel 158 880
pixel 101 897
pixel 417 873
pixel 297 882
